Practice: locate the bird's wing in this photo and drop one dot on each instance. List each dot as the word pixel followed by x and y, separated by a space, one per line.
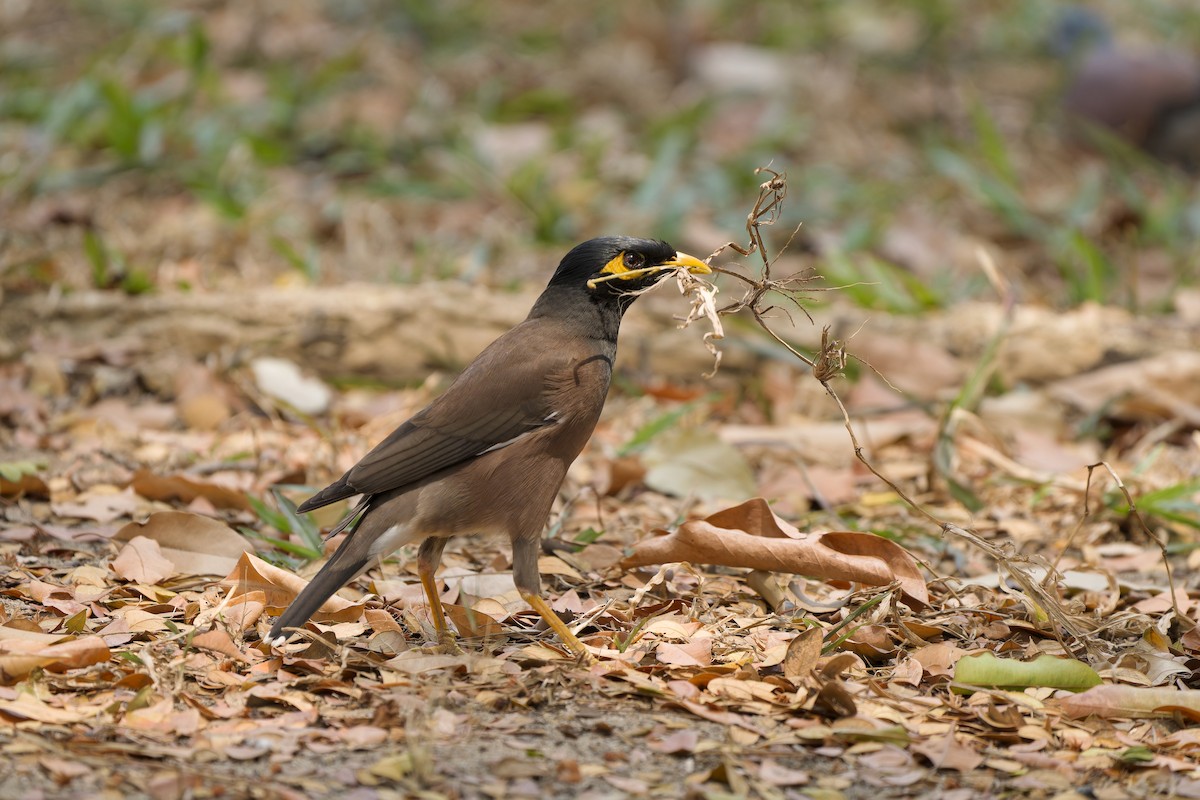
pixel 503 395
pixel 443 435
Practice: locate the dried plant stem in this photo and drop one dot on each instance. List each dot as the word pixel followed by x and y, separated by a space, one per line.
pixel 830 362
pixel 1136 515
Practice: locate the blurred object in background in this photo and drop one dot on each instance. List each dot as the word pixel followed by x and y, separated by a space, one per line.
pixel 1148 96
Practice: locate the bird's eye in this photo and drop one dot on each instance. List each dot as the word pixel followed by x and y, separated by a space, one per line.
pixel 634 260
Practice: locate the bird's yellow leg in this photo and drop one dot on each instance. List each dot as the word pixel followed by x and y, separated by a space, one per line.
pixel 558 626
pixel 446 641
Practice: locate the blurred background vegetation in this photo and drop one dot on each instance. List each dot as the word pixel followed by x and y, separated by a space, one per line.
pixel 151 146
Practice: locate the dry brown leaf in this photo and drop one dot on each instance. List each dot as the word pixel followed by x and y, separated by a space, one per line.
pixel 683 740
pixel 742 689
pixel 415 662
pixel 907 671
pixel 182 488
pixel 471 622
pixel 873 642
pixel 218 641
pixel 11 633
pixel 775 774
pixel 44 592
pixel 750 535
pixel 19 656
pixel 62 770
pixel 834 700
pixel 137 620
pixel 838 664
pixel 242 613
pixel 946 752
pixel 381 621
pixel 18 533
pixel 1117 700
pixel 803 653
pixel 163 717
pixel 197 545
pixel 938 659
pixel 201 399
pixel 696 653
pixel 101 503
pixel 26 486
pixel 622 472
pixel 917 367
pixel 1165 386
pixel 362 737
pixel 141 561
pixel 26 706
pixel 280 587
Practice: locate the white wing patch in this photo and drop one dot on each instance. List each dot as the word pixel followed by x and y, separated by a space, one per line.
pixel 550 419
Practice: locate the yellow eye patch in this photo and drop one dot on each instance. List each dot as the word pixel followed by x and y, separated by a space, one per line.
pixel 617 266
pixel 616 269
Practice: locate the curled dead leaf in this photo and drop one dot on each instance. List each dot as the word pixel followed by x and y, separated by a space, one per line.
pixel 1132 701
pixel 834 700
pixel 622 472
pixel 696 653
pixel 218 641
pixel 751 536
pixel 947 752
pixel 25 485
pixel 141 561
pixel 185 489
pixel 873 642
pixel 839 664
pixel 20 654
pixel 683 740
pixel 472 622
pixel 197 545
pixel 280 587
pixel 27 706
pixel 803 653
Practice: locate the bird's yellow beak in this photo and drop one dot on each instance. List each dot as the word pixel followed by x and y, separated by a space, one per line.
pixel 693 264
pixel 616 268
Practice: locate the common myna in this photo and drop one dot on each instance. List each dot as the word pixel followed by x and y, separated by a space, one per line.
pixel 491 452
pixel 1149 96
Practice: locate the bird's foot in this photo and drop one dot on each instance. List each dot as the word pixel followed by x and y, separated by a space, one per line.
pixel 569 639
pixel 585 658
pixel 447 644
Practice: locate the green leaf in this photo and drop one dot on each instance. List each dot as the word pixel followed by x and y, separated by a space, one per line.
pixel 643 435
pixel 283 544
pixel 991 144
pixel 1139 754
pixel 77 622
pixel 393 768
pixel 97 256
pixel 13 471
pixel 124 127
pixel 1176 503
pixel 275 519
pixel 137 282
pixel 588 536
pixel 300 524
pixel 1045 671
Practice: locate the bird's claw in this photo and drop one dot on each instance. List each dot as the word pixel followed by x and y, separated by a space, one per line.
pixel 447 644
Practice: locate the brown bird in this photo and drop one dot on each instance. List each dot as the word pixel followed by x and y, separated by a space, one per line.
pixel 1148 96
pixel 490 454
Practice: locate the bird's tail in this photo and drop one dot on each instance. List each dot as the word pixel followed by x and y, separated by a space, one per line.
pixel 337 572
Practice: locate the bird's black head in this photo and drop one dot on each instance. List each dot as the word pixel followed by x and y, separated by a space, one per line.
pixel 1077 32
pixel 617 266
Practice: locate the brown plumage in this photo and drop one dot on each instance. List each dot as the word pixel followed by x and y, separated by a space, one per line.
pixel 1148 96
pixel 490 454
